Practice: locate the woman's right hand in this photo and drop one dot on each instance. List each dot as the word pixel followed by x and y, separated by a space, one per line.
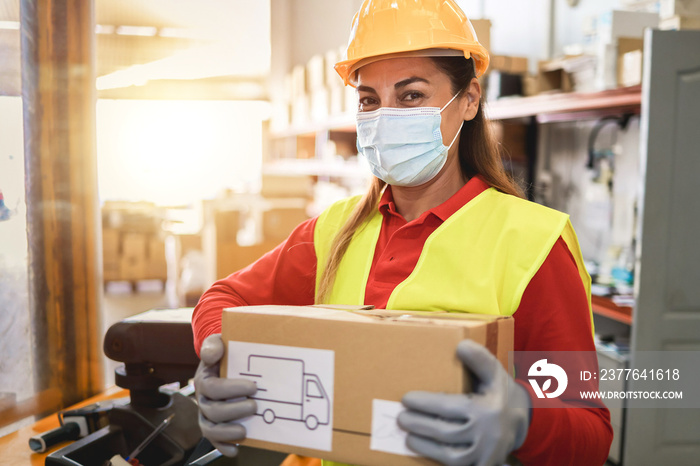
pixel 221 402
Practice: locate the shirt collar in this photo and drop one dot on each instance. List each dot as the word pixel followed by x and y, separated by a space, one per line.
pixel 475 186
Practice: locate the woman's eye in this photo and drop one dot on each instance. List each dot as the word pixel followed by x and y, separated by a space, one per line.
pixel 410 96
pixel 367 102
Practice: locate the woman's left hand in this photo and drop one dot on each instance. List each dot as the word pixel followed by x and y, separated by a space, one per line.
pixel 480 428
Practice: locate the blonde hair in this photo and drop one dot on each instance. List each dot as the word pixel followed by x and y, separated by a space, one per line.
pixel 479 154
pixel 362 211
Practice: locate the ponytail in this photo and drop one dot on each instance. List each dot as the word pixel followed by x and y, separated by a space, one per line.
pixel 362 211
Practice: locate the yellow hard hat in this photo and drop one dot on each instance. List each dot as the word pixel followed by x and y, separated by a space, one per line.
pixel 386 28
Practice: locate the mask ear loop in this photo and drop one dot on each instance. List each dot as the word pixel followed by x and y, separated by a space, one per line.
pixel 457 134
pixel 448 103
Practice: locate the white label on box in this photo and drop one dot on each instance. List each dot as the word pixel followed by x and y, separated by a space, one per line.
pixel 295 392
pixel 387 436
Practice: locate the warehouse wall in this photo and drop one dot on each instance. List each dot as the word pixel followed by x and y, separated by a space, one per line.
pixel 604 220
pixel 518 28
pixel 319 25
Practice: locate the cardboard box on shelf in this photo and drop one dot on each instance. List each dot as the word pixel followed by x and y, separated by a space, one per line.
pixel 157 267
pixel 286 186
pixel 552 76
pixel 348 370
pixel 670 8
pixel 231 256
pixel 134 245
pixel 278 223
pixel 111 270
pixel 614 25
pixel 482 28
pixel 620 23
pixel 227 224
pixel 630 68
pixel 679 23
pixel 508 64
pixel 111 242
pixel 530 85
pixel 629 61
pixel 133 268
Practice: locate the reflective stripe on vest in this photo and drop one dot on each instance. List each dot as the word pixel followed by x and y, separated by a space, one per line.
pixel 480 260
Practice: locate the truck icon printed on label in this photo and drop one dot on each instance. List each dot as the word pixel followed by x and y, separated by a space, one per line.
pixel 286 391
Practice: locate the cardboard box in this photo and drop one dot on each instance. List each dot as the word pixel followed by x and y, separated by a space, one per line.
pixel 134 245
pixel 227 225
pixel 278 223
pixel 614 25
pixel 508 64
pixel 670 8
pixel 350 369
pixel 482 28
pixel 133 268
pixel 619 23
pixel 231 256
pixel 679 23
pixel 157 265
pixel 629 61
pixel 552 76
pixel 286 186
pixel 630 68
pixel 110 242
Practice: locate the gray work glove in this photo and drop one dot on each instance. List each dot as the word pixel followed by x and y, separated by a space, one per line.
pixel 221 402
pixel 480 428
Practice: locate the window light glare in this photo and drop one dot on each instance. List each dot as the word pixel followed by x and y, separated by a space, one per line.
pixel 137 31
pixel 11 25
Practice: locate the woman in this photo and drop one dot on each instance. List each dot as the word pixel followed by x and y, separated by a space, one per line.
pixel 442 227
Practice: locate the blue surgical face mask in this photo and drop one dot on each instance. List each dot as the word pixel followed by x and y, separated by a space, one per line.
pixel 403 145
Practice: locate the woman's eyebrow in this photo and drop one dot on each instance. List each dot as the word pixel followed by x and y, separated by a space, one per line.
pixel 411 80
pixel 362 88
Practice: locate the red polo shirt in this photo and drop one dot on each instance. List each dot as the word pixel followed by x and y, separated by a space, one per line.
pixel 553 314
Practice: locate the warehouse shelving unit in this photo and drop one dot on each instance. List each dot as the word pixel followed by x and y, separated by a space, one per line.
pixel 568 106
pixel 573 106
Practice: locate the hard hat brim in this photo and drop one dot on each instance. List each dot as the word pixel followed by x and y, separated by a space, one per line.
pixel 346 68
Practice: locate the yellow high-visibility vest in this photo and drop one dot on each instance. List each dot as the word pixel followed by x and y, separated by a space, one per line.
pixel 480 260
